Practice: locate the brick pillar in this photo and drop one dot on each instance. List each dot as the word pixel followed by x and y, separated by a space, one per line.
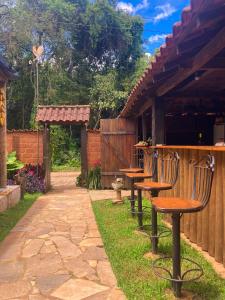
pixel 3 169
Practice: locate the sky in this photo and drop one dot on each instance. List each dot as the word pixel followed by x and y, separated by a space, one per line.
pixel 159 17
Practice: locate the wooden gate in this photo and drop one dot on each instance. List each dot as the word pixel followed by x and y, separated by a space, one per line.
pixel 118 136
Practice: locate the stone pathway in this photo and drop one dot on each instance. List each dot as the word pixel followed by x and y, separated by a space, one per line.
pixel 56 252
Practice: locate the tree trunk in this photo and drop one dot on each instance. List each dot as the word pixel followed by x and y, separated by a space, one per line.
pixel 3 153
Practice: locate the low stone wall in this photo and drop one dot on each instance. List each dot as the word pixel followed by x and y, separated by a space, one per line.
pixel 28 145
pixel 93 148
pixel 9 197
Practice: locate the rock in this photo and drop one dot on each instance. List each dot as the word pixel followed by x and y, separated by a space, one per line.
pixel 91 242
pixel 11 271
pixel 66 248
pixel 106 274
pixel 43 264
pixel 32 248
pixel 50 282
pixel 94 253
pixel 14 290
pixel 77 289
pixel 79 268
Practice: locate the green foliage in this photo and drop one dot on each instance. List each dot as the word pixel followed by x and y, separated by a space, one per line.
pixel 65 150
pixel 13 164
pixel 84 39
pixel 106 99
pixel 93 180
pixel 134 273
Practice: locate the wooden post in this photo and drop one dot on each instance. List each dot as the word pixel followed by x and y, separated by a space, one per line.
pixel 84 164
pixel 144 133
pixel 158 121
pixel 3 152
pixel 47 156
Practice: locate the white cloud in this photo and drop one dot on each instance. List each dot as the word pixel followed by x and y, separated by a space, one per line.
pixel 156 38
pixel 130 8
pixel 165 11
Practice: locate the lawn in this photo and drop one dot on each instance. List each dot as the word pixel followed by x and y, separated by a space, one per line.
pixel 65 168
pixel 10 217
pixel 126 250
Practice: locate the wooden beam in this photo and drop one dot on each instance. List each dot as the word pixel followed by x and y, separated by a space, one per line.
pixel 147 104
pixel 3 140
pixel 217 63
pixel 47 156
pixel 158 121
pixel 208 17
pixel 214 47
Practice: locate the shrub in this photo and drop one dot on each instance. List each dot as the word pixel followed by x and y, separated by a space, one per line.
pixel 34 178
pixel 93 180
pixel 13 165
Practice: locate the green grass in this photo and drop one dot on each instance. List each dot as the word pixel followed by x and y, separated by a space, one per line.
pixel 65 168
pixel 126 250
pixel 10 217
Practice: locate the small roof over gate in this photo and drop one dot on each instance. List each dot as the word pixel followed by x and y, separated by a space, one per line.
pixel 63 114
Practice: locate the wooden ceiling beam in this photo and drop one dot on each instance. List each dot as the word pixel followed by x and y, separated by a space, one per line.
pixel 209 51
pixel 217 63
pixel 208 17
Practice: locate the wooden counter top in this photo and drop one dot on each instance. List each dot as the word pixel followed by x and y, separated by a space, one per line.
pixel 203 148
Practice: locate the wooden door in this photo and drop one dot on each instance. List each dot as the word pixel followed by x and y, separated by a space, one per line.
pixel 118 137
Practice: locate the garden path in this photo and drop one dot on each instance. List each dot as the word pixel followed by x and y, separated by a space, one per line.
pixel 56 252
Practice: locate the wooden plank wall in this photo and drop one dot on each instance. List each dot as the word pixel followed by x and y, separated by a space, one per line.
pixel 205 228
pixel 118 136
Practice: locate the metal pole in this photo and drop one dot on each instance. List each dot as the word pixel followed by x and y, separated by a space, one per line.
pixel 176 254
pixel 154 235
pixel 140 212
pixel 132 198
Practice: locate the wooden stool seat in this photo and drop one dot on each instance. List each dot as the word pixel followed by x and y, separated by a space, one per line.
pixel 138 175
pixel 176 205
pixel 132 170
pixel 149 186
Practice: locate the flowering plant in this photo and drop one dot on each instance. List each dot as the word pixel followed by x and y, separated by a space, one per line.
pixel 34 178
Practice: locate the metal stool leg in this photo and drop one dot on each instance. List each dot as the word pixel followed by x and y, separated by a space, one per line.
pixel 132 198
pixel 154 235
pixel 140 212
pixel 176 255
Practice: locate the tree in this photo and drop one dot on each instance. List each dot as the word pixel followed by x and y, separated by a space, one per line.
pixel 106 99
pixel 85 43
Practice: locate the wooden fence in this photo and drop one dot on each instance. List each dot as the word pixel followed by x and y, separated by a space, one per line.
pixel 118 137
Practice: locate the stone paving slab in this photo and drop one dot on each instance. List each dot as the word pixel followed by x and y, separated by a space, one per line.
pixel 106 194
pixel 56 251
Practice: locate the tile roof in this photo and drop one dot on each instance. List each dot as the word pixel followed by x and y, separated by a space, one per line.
pixel 65 114
pixel 167 52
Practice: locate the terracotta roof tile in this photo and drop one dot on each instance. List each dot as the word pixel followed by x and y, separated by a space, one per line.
pixel 67 114
pixel 168 50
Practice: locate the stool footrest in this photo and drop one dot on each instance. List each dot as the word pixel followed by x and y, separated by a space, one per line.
pixel 157 267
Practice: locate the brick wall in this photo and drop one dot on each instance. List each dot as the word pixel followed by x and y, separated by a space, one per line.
pixel 93 147
pixel 25 143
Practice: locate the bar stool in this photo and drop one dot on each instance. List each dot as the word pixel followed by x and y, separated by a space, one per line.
pixel 150 169
pixel 138 161
pixel 168 178
pixel 201 191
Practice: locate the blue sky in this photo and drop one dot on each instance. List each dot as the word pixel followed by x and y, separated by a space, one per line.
pixel 159 16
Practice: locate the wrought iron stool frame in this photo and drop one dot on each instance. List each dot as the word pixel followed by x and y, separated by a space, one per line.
pixel 135 176
pixel 201 191
pixel 168 178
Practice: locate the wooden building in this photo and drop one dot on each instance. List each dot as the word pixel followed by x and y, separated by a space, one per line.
pixel 180 102
pixel 6 74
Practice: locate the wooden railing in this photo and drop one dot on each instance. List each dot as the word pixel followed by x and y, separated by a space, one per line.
pixel 206 228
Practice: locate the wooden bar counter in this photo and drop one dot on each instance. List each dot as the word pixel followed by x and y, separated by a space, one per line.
pixel 206 228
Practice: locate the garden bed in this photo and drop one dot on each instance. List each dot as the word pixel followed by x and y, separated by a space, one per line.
pixel 126 250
